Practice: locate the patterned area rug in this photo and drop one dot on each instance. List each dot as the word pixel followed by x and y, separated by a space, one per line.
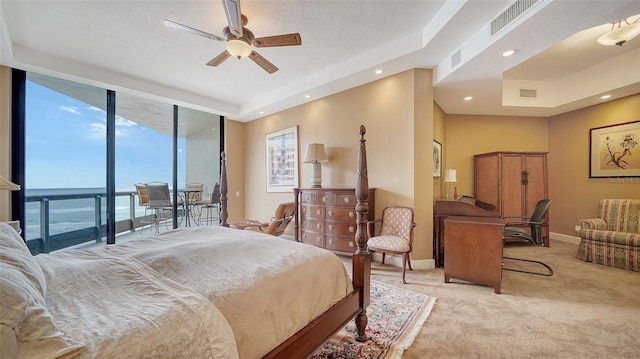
pixel 395 318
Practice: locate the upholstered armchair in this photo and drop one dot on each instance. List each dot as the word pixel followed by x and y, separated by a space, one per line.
pixel 613 237
pixel 395 236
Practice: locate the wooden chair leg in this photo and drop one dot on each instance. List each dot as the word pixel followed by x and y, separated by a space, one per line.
pixel 408 260
pixel 383 255
pixel 404 267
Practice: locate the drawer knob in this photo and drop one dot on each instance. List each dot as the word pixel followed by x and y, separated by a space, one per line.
pixel 330 213
pixel 346 200
pixel 331 227
pixel 351 244
pixel 351 229
pixel 351 214
pixel 318 239
pixel 304 210
pixel 324 199
pixel 331 241
pixel 318 212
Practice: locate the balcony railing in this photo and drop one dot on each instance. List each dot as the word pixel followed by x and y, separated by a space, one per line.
pixel 46 241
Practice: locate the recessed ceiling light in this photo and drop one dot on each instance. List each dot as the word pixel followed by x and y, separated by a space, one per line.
pixel 307 96
pixel 261 112
pixel 508 53
pixel 605 97
pixel 379 71
pixel 468 98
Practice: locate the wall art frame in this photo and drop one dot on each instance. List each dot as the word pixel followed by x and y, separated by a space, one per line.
pixel 282 160
pixel 437 159
pixel 614 150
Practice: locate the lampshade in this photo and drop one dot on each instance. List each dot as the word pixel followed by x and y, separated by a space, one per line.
pixel 450 175
pixel 238 48
pixel 621 32
pixel 316 153
pixel 8 185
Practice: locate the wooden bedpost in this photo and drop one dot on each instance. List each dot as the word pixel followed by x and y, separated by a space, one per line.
pixel 362 258
pixel 223 190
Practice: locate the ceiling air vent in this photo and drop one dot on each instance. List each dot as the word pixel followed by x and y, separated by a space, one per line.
pixel 516 9
pixel 456 58
pixel 528 93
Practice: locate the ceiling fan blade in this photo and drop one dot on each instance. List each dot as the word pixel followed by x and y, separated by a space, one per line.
pixel 234 16
pixel 278 40
pixel 179 26
pixel 262 62
pixel 219 59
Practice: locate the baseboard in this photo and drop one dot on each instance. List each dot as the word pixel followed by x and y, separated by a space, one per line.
pixel 397 261
pixel 564 238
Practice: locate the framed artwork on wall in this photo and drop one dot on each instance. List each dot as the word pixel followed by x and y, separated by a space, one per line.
pixel 437 159
pixel 282 160
pixel 614 150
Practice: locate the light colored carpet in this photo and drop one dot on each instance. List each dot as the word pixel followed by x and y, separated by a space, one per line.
pixel 584 310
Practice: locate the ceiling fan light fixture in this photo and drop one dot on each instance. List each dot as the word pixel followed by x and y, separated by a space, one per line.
pixel 238 48
pixel 621 32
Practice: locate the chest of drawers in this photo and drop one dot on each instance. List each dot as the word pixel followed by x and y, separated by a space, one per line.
pixel 327 217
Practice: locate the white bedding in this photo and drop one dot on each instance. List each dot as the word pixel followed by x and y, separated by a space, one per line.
pixel 191 293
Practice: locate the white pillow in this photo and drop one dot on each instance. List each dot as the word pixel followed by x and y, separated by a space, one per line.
pixel 27 329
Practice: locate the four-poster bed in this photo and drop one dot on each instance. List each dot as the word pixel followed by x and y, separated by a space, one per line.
pixel 198 292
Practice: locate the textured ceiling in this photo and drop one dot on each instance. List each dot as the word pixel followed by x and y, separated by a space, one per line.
pixel 123 45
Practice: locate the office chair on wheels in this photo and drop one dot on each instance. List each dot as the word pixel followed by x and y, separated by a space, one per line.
pixel 516 230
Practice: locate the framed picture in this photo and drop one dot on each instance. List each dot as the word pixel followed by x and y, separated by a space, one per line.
pixel 614 150
pixel 282 160
pixel 437 159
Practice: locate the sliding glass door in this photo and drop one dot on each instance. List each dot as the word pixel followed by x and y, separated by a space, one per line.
pixel 83 157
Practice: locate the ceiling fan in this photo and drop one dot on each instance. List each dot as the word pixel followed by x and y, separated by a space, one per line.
pixel 239 39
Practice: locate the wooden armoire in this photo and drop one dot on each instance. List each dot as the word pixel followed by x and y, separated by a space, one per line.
pixel 513 181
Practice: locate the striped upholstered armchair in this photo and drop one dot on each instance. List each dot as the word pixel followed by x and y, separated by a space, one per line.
pixel 613 238
pixel 396 234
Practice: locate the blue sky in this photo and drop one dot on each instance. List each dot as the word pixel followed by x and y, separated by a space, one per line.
pixel 66 145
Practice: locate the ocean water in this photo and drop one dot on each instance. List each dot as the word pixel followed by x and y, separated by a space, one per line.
pixel 73 214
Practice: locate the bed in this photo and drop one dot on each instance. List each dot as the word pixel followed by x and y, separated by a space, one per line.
pixel 199 292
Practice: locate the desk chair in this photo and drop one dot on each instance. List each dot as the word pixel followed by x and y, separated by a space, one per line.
pixel 396 235
pixel 517 230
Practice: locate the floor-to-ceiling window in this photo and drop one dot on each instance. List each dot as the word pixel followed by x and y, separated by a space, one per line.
pixel 67 155
pixel 65 161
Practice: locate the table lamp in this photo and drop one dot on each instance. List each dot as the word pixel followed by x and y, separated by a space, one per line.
pixel 8 185
pixel 316 155
pixel 449 177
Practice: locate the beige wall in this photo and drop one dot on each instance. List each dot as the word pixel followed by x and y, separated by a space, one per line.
pixel 468 135
pixel 5 139
pixel 439 134
pixel 399 134
pixel 234 143
pixel 574 194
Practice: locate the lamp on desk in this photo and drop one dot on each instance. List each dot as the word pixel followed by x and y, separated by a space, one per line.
pixel 316 155
pixel 449 177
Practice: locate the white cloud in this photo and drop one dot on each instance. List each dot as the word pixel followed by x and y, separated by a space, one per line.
pixel 96 109
pixel 71 109
pixel 121 121
pixel 99 130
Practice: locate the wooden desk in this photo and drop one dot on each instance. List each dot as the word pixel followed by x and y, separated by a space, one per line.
pixel 474 250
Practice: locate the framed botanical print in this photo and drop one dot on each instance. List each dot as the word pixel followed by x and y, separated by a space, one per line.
pixel 614 150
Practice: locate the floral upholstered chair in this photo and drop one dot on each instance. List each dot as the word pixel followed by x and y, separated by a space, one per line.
pixel 395 236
